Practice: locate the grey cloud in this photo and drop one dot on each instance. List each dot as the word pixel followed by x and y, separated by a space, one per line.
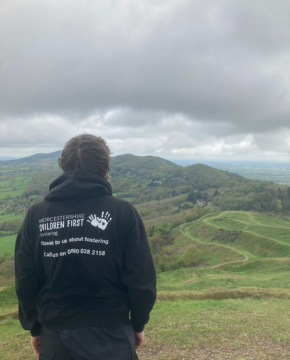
pixel 202 59
pixel 180 73
pixel 277 141
pixel 174 136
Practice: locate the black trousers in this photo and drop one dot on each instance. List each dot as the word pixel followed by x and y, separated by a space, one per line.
pixel 90 343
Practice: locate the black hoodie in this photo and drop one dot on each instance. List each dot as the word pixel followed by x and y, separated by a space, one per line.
pixel 82 259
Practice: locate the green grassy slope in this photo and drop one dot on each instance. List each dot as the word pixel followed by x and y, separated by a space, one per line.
pixel 231 300
pixel 265 226
pixel 246 232
pixel 212 254
pixel 268 274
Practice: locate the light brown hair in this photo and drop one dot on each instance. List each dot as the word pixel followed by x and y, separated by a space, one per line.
pixel 86 153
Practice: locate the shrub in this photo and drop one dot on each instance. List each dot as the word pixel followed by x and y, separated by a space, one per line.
pixel 191 255
pixel 149 230
pixel 186 205
pixel 191 216
pixel 162 230
pixel 5 257
pixel 176 222
pixel 7 269
pixel 156 243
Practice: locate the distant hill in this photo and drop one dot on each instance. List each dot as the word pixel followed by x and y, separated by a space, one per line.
pixel 140 179
pixel 34 158
pixel 141 165
pixel 211 177
pixel 153 168
pixel 148 165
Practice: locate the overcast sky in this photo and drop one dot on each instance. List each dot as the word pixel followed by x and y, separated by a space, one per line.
pixel 172 78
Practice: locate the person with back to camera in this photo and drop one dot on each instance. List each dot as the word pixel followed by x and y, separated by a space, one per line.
pixel 83 263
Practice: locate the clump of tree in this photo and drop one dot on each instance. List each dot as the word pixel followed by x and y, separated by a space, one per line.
pixel 258 196
pixel 6 266
pixel 160 240
pixel 156 243
pixel 7 233
pixel 11 225
pixel 192 215
pixel 39 184
pixel 165 256
pixel 5 257
pixel 168 260
pixel 191 256
pixel 195 195
pixel 163 230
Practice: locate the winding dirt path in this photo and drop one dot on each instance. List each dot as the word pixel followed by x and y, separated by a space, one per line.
pixel 228 247
pixel 253 232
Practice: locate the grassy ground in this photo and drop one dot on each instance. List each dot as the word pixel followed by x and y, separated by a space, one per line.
pixel 265 226
pixel 8 300
pixel 229 329
pixel 262 274
pixel 212 254
pixel 7 244
pixel 239 311
pixel 251 237
pixel 184 329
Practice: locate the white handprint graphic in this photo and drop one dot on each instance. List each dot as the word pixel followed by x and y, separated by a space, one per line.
pixel 100 222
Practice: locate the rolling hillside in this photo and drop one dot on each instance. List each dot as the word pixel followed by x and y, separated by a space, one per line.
pixel 259 236
pixel 241 273
pixel 141 179
pixel 238 259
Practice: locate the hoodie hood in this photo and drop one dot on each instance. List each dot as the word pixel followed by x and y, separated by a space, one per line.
pixel 75 184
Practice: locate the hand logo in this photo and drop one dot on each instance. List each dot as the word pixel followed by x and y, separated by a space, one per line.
pixel 100 222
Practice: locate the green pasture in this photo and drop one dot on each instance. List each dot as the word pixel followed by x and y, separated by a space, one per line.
pixel 10 216
pixel 22 181
pixel 4 184
pixel 11 193
pixel 7 244
pixel 14 187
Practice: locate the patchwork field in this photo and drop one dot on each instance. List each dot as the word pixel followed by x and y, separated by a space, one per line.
pixel 13 188
pixel 7 243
